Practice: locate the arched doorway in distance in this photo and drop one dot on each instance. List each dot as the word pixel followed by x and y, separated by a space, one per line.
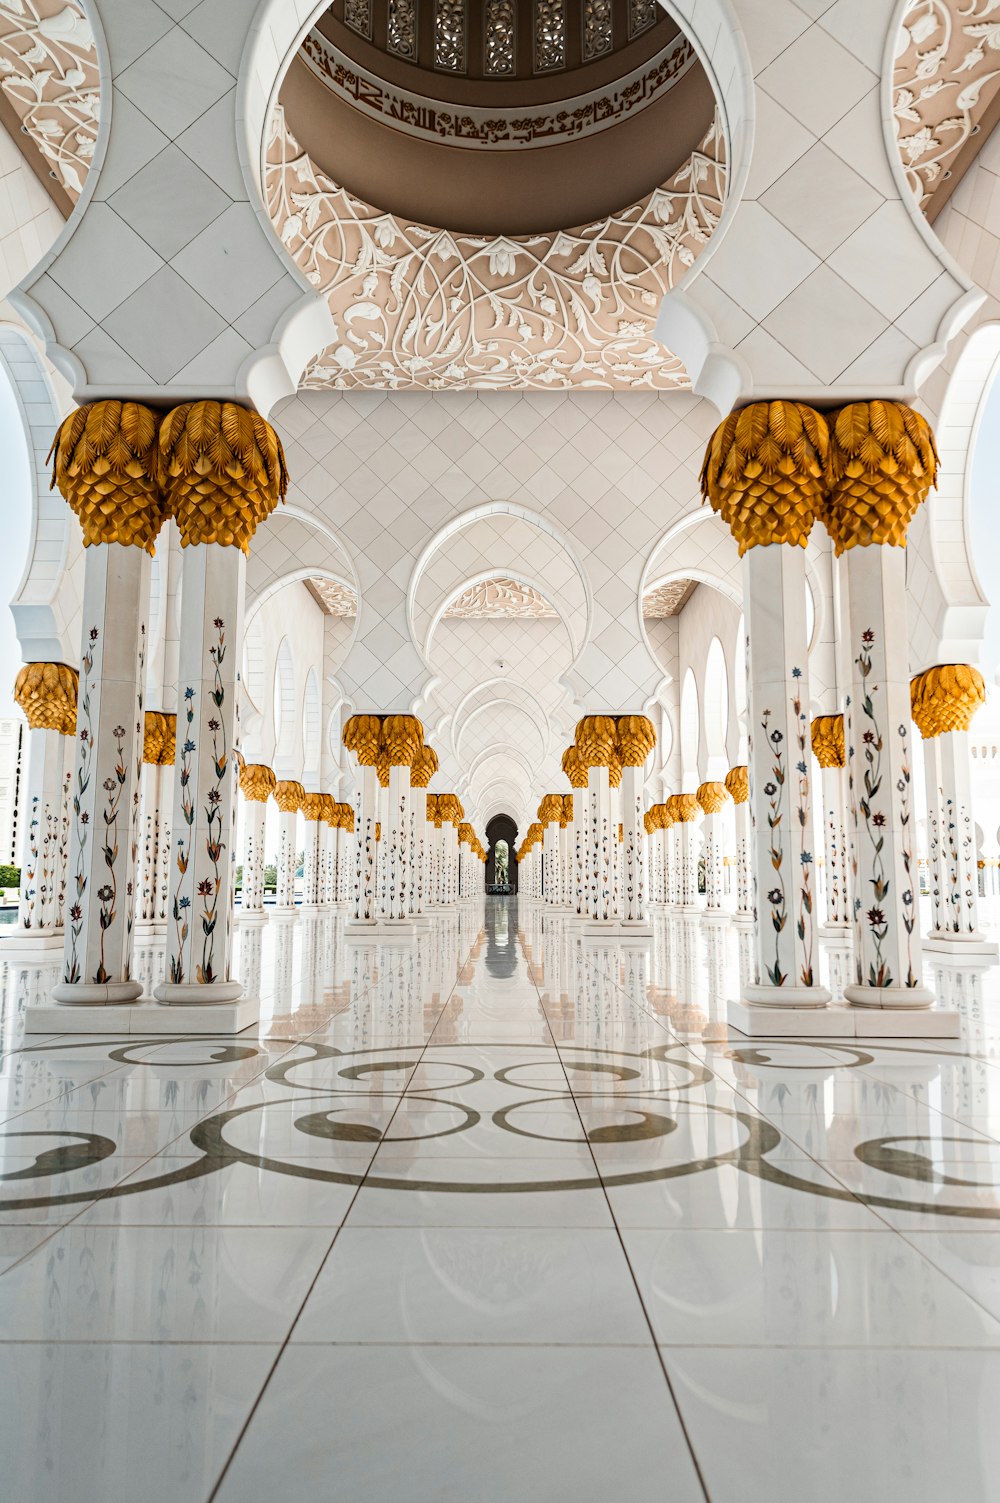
pixel 500 829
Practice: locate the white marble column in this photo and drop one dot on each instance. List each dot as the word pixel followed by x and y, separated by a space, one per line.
pixel 737 783
pixel 774 593
pixel 50 755
pixel 396 839
pixel 200 929
pixel 312 813
pixel 104 791
pixel 882 463
pixel 944 700
pixel 550 851
pixel 257 783
pixel 566 856
pixel 289 796
pixel 713 798
pixel 827 736
pixel 889 962
pixel 684 807
pixel 635 898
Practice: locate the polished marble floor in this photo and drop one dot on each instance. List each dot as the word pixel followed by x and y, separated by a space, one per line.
pixel 495 1215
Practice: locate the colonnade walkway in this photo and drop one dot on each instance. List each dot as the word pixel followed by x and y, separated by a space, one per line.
pixel 499 1214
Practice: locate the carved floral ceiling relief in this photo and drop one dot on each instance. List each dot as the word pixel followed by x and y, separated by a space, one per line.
pixel 946 77
pixel 420 307
pixel 500 599
pixel 50 78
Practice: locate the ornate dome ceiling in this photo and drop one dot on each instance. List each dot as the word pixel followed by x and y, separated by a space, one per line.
pixel 495 117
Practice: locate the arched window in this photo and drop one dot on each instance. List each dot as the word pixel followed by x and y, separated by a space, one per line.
pixel 311 728
pixel 690 733
pixel 716 710
pixel 283 703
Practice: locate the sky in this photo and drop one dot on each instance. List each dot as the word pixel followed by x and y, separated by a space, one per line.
pixel 984 521
pixel 15 514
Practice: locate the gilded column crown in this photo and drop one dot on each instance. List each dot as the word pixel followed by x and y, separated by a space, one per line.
pixel 574 767
pixel 881 464
pixel 423 767
pixel 432 809
pixel 382 765
pixel 346 817
pixel 567 814
pixel 636 739
pixel 402 737
pixel 256 782
pixel 764 472
pixel 466 833
pixel 105 465
pixel 153 737
pixel 828 740
pixel 615 772
pixel 713 797
pixel 222 472
pixel 684 807
pixel 330 813
pixel 665 815
pixel 169 749
pixel 738 784
pixel 648 822
pixel 945 698
pixel 595 740
pixel 312 806
pixel 47 692
pixel 289 796
pixel 362 735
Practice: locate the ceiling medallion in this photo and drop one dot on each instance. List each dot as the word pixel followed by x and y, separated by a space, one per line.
pixel 420 307
pixel 667 599
pixel 500 598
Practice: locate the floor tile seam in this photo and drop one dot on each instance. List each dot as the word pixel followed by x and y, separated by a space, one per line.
pixel 937 1110
pixel 83 1209
pixel 864 1199
pixel 696 1465
pixel 952 1278
pixel 287 1341
pixel 5 1121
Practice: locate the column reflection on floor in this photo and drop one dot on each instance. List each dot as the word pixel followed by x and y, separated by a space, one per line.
pixel 500 1203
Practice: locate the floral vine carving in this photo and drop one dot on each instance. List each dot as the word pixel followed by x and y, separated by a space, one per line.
pixel 946 74
pixel 873 818
pixel 420 307
pixel 81 818
pixel 49 75
pixel 181 906
pixel 804 923
pixel 774 792
pixel 209 888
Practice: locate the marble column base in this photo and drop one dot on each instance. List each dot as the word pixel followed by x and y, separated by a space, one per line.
pixel 149 929
pixel 96 994
pixel 743 920
pixel 778 997
pixel 252 918
pixel 839 932
pixel 716 916
pixel 958 946
pixel 841 1020
pixel 393 929
pixel 186 995
pixel 24 942
pixel 889 998
pixel 146 1018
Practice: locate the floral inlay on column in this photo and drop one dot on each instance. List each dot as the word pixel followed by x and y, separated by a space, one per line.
pixel 223 472
pixel 105 465
pixel 47 696
pixel 881 465
pixel 765 475
pixel 944 700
